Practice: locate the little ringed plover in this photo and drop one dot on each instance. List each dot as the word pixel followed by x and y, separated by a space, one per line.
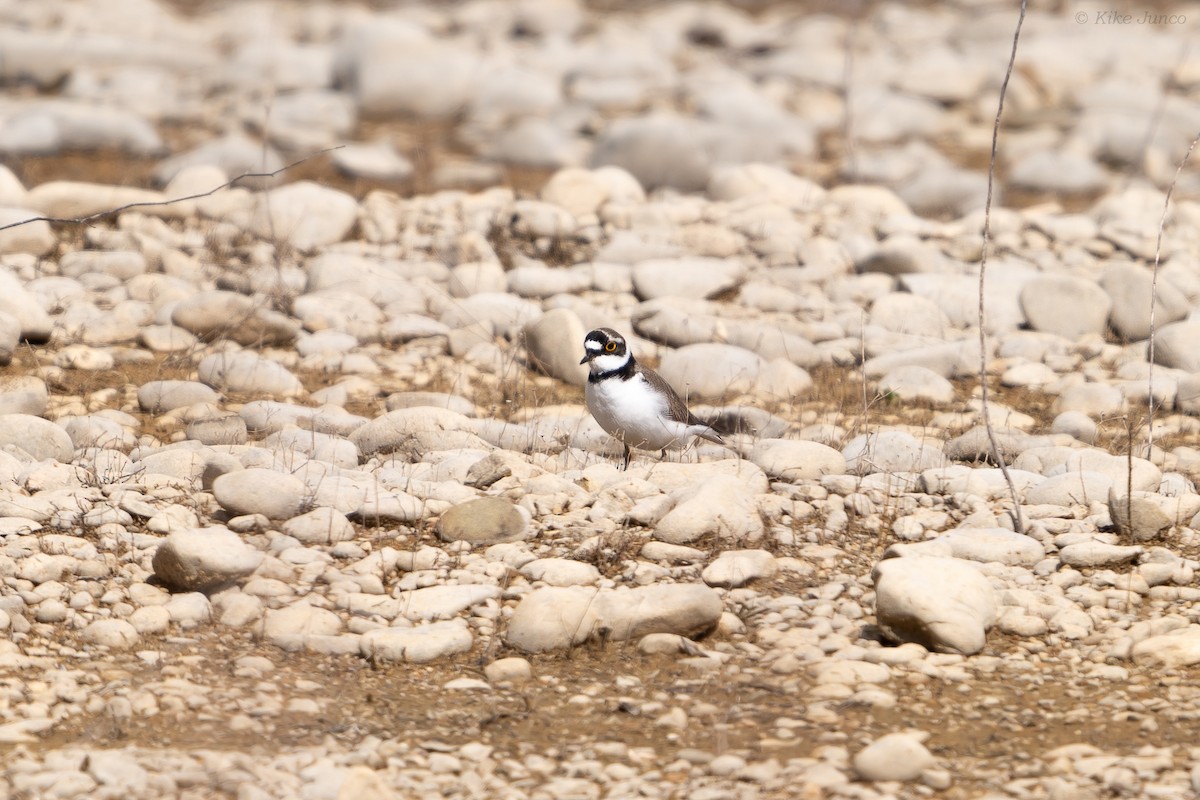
pixel 634 403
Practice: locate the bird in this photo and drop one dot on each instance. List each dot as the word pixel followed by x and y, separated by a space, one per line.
pixel 634 403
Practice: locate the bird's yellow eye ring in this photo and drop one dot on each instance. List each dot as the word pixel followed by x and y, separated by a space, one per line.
pixel 608 348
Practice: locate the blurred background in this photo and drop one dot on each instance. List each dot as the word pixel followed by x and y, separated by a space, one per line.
pixel 420 97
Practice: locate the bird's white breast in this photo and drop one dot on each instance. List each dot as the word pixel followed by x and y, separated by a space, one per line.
pixel 635 413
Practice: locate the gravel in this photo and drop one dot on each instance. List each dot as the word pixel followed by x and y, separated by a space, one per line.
pixel 301 499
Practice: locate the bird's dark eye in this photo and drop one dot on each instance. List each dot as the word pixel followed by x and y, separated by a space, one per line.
pixel 608 348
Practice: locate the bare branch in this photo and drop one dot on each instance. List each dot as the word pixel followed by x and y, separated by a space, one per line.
pixel 157 203
pixel 1162 224
pixel 1018 519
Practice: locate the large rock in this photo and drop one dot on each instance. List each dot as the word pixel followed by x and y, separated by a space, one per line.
pixel 797 460
pixel 554 618
pixel 1066 305
pixel 555 344
pixel 417 645
pixel 711 371
pixel 247 371
pixel 890 451
pixel 275 495
pixel 38 437
pixel 943 604
pixel 696 278
pixel 1175 345
pixel 486 521
pixel 1174 650
pixel 305 215
pixel 1129 286
pixel 977 544
pixel 219 314
pixel 21 304
pixel 893 757
pixel 721 506
pixel 201 559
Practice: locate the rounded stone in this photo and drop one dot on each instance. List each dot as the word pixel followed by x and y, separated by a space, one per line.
pixel 486 521
pixel 201 559
pixel 275 495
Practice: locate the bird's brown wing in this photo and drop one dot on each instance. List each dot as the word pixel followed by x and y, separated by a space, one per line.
pixel 676 408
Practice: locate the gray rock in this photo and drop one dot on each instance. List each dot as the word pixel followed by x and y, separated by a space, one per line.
pixel 115 634
pixel 734 568
pixel 977 544
pixel 796 460
pixel 561 572
pixel 419 428
pixel 903 312
pixel 711 371
pixel 1129 286
pixel 584 191
pixel 1028 375
pixel 893 757
pixel 1076 424
pixel 320 526
pixel 555 618
pixel 293 626
pixel 203 559
pixel 1055 170
pixel 275 495
pixel 1071 488
pixel 722 506
pixel 313 444
pixel 507 313
pixel 445 601
pixel 914 382
pixel 765 183
pixel 399 68
pixel 697 278
pixel 33 237
pixel 375 161
pixel 1176 345
pixel 950 360
pixel 1098 400
pixel 38 437
pixel 269 416
pixel 538 281
pixel 228 315
pixel 233 154
pixel 943 604
pixel 555 344
pixel 247 371
pixel 417 645
pixel 1097 554
pixel 1173 650
pixel 890 451
pixel 453 402
pixel 1065 305
pixel 304 214
pixel 218 430
pixel 1143 516
pixel 18 302
pixel 488 520
pixel 23 394
pixel 166 338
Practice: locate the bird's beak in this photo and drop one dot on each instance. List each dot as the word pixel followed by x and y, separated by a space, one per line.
pixel 586 358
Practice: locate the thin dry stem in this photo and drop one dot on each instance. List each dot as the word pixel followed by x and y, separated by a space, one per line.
pixel 158 203
pixel 1018 519
pixel 1162 224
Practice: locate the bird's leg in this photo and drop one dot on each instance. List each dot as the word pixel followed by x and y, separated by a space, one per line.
pixel 663 455
pixel 628 455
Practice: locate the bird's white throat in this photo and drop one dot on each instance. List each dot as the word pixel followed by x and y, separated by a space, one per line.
pixel 607 363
